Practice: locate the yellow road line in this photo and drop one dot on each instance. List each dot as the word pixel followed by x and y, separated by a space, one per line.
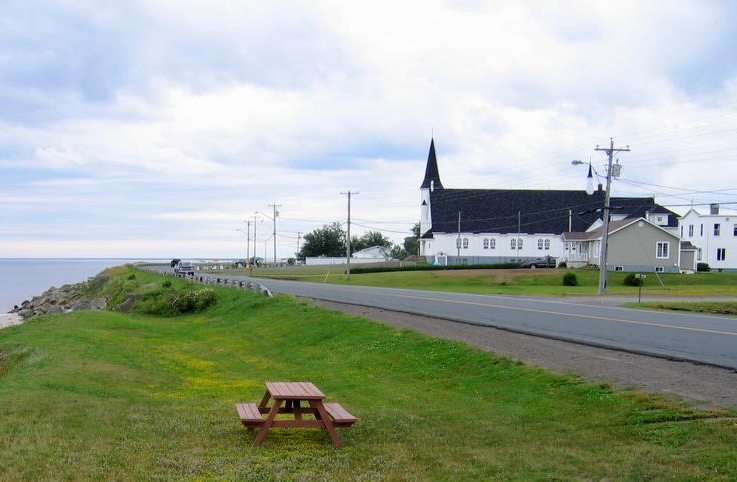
pixel 617 320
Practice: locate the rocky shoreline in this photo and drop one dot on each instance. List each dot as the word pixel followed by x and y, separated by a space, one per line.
pixel 69 297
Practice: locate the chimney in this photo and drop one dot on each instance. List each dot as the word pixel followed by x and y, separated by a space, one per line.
pixel 714 209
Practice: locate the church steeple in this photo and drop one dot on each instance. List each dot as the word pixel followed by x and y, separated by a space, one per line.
pixel 432 176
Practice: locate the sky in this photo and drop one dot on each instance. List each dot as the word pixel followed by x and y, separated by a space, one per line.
pixel 175 128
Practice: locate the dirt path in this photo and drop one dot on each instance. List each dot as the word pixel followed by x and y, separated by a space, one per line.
pixel 701 385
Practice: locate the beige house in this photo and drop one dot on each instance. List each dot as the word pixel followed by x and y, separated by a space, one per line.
pixel 634 245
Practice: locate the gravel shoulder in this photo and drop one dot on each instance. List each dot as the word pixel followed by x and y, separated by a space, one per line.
pixel 702 386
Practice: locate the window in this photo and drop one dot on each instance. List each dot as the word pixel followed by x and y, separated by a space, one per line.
pixel 458 243
pixel 659 269
pixel 492 243
pixel 735 230
pixel 716 229
pixel 547 244
pixel 662 249
pixel 486 243
pixel 519 243
pixel 539 244
pixel 513 243
pixel 699 255
pixel 702 230
pixel 690 230
pixel 619 268
pixel 465 243
pixel 721 254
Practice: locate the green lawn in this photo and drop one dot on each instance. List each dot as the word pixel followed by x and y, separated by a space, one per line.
pixel 113 396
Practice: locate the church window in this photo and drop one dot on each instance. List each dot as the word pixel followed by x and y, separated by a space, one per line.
pixel 513 243
pixel 492 243
pixel 539 244
pixel 486 243
pixel 465 243
pixel 519 243
pixel 547 244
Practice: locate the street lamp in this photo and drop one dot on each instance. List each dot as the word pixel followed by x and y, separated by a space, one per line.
pixel 605 227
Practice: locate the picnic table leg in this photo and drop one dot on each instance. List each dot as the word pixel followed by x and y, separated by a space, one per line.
pixel 322 414
pixel 267 424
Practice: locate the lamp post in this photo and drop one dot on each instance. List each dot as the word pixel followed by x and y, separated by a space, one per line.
pixel 605 212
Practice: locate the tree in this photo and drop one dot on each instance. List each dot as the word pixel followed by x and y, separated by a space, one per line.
pixel 326 241
pixel 412 243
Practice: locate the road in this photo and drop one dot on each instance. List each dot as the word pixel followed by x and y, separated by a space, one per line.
pixel 703 338
pixel 707 339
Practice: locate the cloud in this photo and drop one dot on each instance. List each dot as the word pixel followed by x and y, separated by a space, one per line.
pixel 143 126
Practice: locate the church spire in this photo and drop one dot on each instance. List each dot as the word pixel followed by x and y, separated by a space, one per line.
pixel 432 176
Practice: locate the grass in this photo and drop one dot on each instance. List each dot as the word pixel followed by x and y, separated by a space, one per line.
pixel 113 396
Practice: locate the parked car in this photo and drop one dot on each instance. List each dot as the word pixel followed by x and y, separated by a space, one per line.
pixel 184 268
pixel 546 262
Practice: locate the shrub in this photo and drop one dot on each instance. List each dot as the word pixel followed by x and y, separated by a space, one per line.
pixel 166 283
pixel 703 267
pixel 632 279
pixel 570 279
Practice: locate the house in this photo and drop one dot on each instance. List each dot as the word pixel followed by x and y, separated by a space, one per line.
pixel 473 226
pixel 635 244
pixel 713 236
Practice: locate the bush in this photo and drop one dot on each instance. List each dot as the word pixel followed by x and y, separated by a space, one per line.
pixel 703 267
pixel 632 279
pixel 570 279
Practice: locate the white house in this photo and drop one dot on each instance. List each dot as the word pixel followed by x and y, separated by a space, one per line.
pixel 714 235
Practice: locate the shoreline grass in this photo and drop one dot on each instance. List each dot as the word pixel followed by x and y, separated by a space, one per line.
pixel 113 396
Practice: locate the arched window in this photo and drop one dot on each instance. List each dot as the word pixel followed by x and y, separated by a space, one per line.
pixel 519 243
pixel 492 243
pixel 465 243
pixel 458 243
pixel 547 244
pixel 513 243
pixel 540 243
pixel 486 243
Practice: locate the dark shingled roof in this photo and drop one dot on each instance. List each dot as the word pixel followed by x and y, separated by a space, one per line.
pixel 507 211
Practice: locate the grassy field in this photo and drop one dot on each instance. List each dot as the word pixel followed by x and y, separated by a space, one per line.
pixel 114 396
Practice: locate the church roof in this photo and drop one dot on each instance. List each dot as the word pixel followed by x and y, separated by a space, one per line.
pixel 507 211
pixel 432 175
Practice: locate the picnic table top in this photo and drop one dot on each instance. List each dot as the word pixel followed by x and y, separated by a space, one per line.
pixel 294 391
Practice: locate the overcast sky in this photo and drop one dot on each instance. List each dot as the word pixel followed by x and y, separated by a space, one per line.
pixel 156 128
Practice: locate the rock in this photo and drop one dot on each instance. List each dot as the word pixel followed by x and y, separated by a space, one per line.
pixel 69 297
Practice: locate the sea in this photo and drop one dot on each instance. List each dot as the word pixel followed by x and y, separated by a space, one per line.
pixel 23 278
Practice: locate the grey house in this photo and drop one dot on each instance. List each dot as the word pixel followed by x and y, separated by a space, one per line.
pixel 634 245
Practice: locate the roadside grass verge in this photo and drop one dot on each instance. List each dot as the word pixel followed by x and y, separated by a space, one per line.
pixel 113 396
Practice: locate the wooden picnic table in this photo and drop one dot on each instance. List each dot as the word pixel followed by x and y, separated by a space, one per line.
pixel 297 399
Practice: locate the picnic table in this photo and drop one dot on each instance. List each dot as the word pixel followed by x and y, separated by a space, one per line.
pixel 296 399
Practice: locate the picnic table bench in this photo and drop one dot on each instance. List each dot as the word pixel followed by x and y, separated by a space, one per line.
pixel 288 398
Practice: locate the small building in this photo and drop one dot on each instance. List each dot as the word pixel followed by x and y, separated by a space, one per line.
pixel 713 235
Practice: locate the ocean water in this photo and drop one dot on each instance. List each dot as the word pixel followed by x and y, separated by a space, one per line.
pixel 22 278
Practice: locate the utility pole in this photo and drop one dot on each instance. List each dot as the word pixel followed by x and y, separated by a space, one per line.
pixel 299 237
pixel 458 241
pixel 348 236
pixel 276 213
pixel 605 235
pixel 248 241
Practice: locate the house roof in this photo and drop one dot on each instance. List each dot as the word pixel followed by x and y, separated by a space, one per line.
pixel 614 226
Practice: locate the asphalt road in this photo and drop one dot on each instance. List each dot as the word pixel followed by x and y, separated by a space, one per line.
pixel 702 338
pixel 707 339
